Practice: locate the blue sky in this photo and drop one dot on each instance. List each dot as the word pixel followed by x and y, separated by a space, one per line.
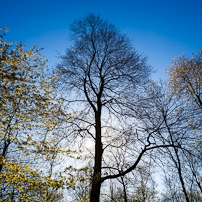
pixel 158 29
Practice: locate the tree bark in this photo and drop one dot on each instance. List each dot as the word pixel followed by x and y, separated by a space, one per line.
pixel 96 182
pixel 180 175
pixel 124 190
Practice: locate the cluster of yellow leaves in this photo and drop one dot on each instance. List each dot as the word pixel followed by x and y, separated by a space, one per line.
pixel 29 112
pixel 185 77
pixel 23 183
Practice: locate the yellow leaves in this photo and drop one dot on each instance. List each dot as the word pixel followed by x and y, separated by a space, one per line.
pixel 18 177
pixel 185 75
pixel 20 147
pixel 29 114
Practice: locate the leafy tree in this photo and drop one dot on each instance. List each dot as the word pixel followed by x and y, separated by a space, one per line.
pixel 29 114
pixel 185 79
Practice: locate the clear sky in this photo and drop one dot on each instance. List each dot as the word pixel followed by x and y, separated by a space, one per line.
pixel 159 29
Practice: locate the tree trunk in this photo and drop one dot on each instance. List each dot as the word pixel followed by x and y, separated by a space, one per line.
pixel 95 192
pixel 124 190
pixel 96 182
pixel 180 176
pixel 178 163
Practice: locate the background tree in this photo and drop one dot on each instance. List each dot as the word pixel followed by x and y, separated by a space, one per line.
pixel 177 128
pixel 30 113
pixel 185 79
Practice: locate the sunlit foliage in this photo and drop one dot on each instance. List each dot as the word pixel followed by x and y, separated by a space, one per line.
pixel 30 114
pixel 185 76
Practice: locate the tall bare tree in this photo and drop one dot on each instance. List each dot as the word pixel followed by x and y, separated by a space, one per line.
pixel 103 67
pixel 104 75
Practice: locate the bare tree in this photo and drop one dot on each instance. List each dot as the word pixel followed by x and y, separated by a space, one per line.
pixel 104 76
pixel 185 80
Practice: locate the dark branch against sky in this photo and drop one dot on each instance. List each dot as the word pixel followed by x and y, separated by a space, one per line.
pixel 158 29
